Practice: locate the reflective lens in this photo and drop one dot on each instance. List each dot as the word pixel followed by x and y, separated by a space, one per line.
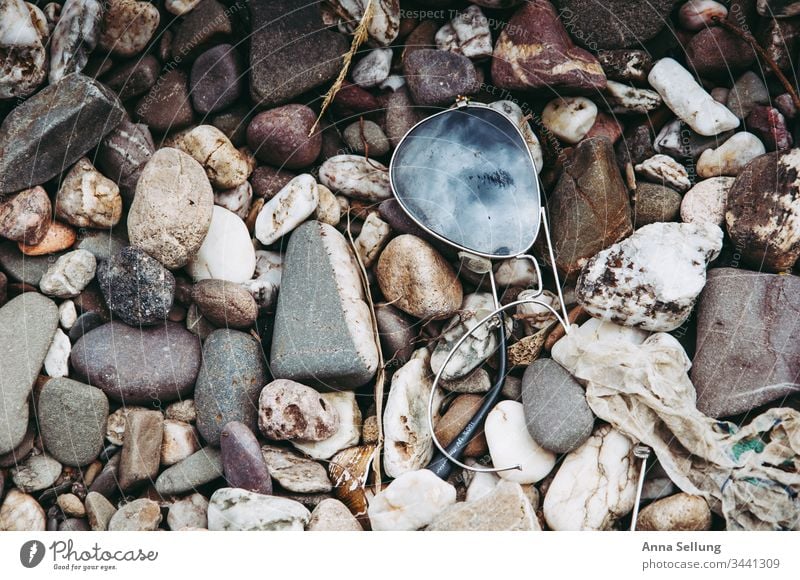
pixel 466 175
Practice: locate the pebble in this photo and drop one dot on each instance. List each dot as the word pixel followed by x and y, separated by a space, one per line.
pixel 242 461
pixel 323 328
pixel 56 362
pixel 742 307
pixel 373 69
pixel 634 22
pixel 280 137
pixel 677 140
pixel 437 77
pixel 677 513
pixel 718 53
pixel 21 513
pixel 237 199
pixel 228 385
pixel 74 37
pixel 459 413
pixel 224 303
pixel 762 212
pixel 477 381
pixel 117 421
pixel 657 275
pixel 290 51
pixel 88 199
pixel 200 468
pixel 569 118
pixel 128 26
pixel 36 473
pixel 366 137
pixel 226 252
pixel 589 207
pixel 184 410
pixel 730 157
pixel 134 78
pixel 384 25
pixel 141 450
pixel 123 153
pixel 347 435
pixel 655 203
pixel 510 444
pixel 167 105
pixel 188 512
pixel 626 65
pixel 67 315
pixel 290 207
pixel 207 23
pixel 294 472
pixel 331 515
pixel 172 210
pixel 180 440
pixel 139 515
pixel 35 136
pixel 370 241
pixel 57 238
pixel 707 201
pixel 688 100
pixel 288 410
pixel 25 66
pixel 408 445
pixel 410 502
pixel 72 421
pixel 556 412
pixel 71 505
pixel 699 14
pixel 535 53
pixel 215 81
pixel 99 511
pixel 664 169
pixel 136 287
pixel 595 485
pixel 328 209
pixel 748 92
pixel 25 216
pixel 244 511
pixel 415 278
pixel 769 125
pixel 621 99
pixel 225 166
pixel 357 177
pixel 27 325
pixel 138 365
pixel 467 33
pixel 506 508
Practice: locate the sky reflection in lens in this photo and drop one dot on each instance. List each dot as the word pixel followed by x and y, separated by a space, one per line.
pixel 467 175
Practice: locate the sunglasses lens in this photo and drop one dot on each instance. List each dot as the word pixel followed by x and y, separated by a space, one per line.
pixel 467 175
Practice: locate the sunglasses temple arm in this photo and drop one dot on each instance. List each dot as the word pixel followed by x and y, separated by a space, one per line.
pixel 552 257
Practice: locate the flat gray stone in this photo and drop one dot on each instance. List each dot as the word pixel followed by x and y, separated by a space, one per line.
pixel 72 421
pixel 22 268
pixel 312 342
pixel 556 412
pixel 198 469
pixel 36 473
pixel 748 341
pixel 27 325
pixel 102 243
pixel 38 138
pixel 231 377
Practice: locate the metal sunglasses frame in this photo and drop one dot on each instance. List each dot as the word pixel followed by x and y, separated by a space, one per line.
pixel 562 318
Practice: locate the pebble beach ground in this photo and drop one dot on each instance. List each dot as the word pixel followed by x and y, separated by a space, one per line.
pixel 215 314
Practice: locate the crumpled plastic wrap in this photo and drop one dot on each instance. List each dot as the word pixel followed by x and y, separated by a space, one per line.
pixel 750 475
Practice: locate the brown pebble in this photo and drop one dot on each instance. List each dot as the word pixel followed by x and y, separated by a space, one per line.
pixel 58 237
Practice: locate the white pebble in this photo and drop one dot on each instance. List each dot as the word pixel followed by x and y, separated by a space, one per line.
pixel 70 274
pixel 227 252
pixel 699 14
pixel 56 363
pixel 510 444
pixel 356 176
pixel 688 100
pixel 288 209
pixel 373 69
pixel 374 234
pixel 663 168
pixel 67 314
pixel 707 201
pixel 622 98
pixel 569 118
pixel 411 502
pixel 347 435
pixel 730 157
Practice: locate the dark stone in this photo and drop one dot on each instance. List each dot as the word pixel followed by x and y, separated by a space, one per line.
pixel 72 421
pixel 556 412
pixel 655 203
pixel 291 52
pixel 242 459
pixel 748 341
pixel 216 79
pixel 398 332
pixel 535 53
pixel 352 101
pixel 779 8
pixel 715 52
pixel 204 26
pixel 122 155
pixel 267 181
pixel 84 323
pixel 107 482
pixel 166 107
pixel 437 77
pixel 103 244
pixel 231 377
pixel 37 138
pixel 136 287
pixel 769 125
pixel 589 208
pixel 599 24
pixel 280 136
pixel 233 123
pixel 151 365
pixel 763 211
pixel 677 140
pixel 626 65
pixel 135 77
